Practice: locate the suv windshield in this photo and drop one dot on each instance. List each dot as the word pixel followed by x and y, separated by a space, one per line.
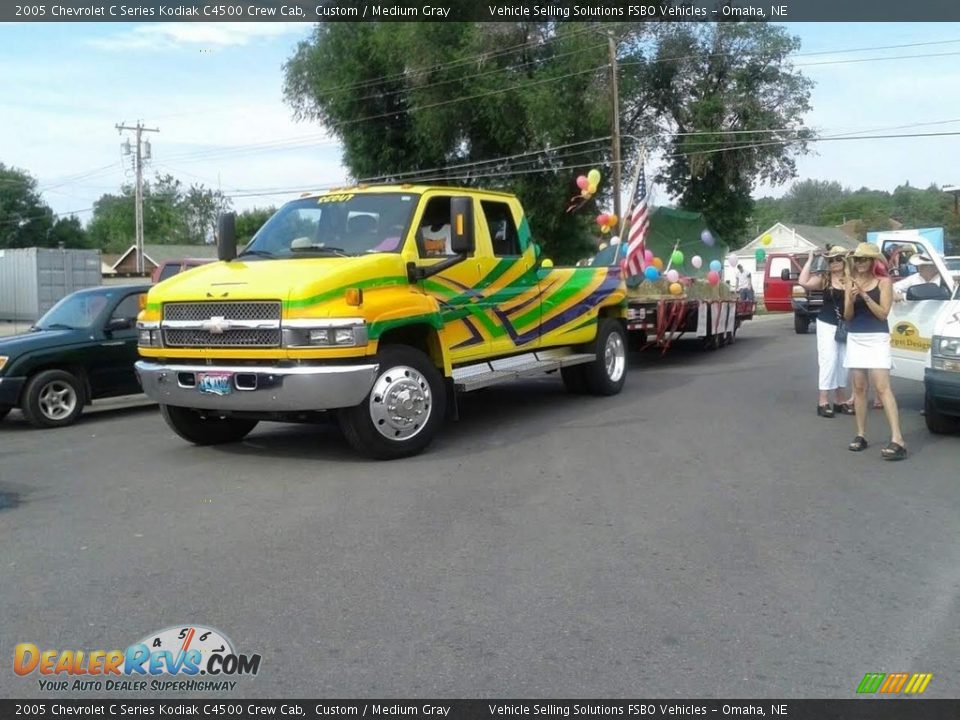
pixel 336 224
pixel 76 311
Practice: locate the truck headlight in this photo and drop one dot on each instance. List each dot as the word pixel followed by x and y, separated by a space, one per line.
pixel 148 334
pixel 324 333
pixel 945 353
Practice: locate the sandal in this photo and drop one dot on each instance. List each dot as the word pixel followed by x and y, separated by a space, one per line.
pixel 859 443
pixel 844 408
pixel 877 405
pixel 825 411
pixel 894 451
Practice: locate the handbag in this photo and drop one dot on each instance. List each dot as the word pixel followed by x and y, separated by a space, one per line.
pixel 840 335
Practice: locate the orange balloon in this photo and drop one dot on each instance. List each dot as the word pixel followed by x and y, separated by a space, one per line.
pixel 676 288
pixel 658 264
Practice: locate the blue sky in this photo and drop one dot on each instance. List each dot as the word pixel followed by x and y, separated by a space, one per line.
pixel 215 92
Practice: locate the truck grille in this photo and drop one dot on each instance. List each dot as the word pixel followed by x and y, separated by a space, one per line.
pixel 230 338
pixel 197 314
pixel 237 310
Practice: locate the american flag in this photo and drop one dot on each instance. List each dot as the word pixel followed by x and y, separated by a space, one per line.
pixel 639 222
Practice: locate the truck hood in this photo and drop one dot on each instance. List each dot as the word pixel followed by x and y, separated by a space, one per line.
pixel 948 320
pixel 297 281
pixel 16 345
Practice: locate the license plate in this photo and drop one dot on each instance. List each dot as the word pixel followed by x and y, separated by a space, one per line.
pixel 215 383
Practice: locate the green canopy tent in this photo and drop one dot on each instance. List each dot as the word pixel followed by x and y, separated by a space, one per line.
pixel 667 228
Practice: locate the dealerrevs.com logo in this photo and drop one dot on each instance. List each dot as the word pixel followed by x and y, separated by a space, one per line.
pixel 199 658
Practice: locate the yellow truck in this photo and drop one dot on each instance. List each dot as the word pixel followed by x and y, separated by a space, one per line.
pixel 379 304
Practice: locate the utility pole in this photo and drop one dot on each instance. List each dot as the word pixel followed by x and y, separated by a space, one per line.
pixel 612 45
pixel 138 198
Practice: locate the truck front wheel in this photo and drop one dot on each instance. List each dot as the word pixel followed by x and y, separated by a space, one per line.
pixel 200 429
pixel 937 422
pixel 606 374
pixel 404 409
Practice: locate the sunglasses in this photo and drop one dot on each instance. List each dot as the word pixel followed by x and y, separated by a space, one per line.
pixel 859 258
pixel 836 258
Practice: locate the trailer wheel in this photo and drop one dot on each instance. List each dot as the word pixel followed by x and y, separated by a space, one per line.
pixel 404 409
pixel 606 374
pixel 801 324
pixel 937 422
pixel 52 398
pixel 200 429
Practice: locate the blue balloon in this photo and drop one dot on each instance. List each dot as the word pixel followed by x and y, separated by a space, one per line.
pixel 716 265
pixel 651 273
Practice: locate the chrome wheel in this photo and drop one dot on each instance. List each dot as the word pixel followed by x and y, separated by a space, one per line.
pixel 400 403
pixel 57 400
pixel 615 356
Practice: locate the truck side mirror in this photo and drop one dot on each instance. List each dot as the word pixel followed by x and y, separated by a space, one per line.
pixel 928 291
pixel 461 225
pixel 227 236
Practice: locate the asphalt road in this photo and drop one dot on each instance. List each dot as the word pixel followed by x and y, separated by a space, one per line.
pixel 703 534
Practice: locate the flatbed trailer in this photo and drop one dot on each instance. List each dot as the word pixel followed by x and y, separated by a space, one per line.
pixel 659 321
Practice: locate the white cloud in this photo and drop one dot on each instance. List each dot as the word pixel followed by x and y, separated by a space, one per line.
pixel 165 36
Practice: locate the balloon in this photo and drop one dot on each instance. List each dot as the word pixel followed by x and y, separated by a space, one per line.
pixel 582 182
pixel 732 259
pixel 696 261
pixel 716 265
pixel 760 254
pixel 713 277
pixel 605 229
pixel 612 219
pixel 707 238
pixel 648 256
pixel 676 288
pixel 594 177
pixel 602 219
pixel 585 193
pixel 603 246
pixel 766 239
pixel 658 264
pixel 548 263
pixel 672 275
pixel 615 240
pixel 592 187
pixel 676 258
pixel 651 273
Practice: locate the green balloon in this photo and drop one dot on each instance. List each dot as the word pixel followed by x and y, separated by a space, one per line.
pixel 760 254
pixel 676 258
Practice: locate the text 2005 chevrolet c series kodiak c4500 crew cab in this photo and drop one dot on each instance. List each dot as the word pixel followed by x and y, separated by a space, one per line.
pixel 380 304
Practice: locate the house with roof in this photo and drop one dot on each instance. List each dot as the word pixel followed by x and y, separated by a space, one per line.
pixel 155 255
pixel 784 238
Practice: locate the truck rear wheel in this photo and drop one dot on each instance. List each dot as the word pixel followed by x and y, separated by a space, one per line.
pixel 200 429
pixel 403 410
pixel 937 422
pixel 801 324
pixel 606 374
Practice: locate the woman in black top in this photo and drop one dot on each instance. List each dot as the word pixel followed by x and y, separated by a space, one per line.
pixel 866 306
pixel 830 353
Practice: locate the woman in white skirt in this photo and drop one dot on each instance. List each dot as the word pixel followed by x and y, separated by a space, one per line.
pixel 866 304
pixel 830 353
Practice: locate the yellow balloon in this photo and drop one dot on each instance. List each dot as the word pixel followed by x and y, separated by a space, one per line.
pixel 546 262
pixel 658 264
pixel 676 289
pixel 766 239
pixel 603 246
pixel 594 177
pixel 592 187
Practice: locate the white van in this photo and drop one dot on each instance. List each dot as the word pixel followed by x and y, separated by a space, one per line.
pixel 925 338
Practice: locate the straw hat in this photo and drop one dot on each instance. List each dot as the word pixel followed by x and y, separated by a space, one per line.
pixel 917 260
pixel 835 251
pixel 867 250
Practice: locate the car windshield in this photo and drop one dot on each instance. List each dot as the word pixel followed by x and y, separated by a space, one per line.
pixel 337 224
pixel 76 311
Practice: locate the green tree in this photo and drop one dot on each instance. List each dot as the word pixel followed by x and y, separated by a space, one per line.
pixel 732 106
pixel 249 221
pixel 518 106
pixel 25 220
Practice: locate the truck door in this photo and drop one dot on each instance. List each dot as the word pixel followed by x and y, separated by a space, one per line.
pixel 912 321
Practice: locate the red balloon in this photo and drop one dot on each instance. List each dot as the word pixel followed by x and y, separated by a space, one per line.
pixel 602 219
pixel 713 277
pixel 582 182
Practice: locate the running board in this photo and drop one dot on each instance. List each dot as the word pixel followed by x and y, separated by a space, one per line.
pixel 480 375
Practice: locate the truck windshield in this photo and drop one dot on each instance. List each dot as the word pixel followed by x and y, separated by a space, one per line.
pixel 335 225
pixel 76 311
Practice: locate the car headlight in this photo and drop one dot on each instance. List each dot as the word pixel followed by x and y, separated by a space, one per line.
pixel 946 347
pixel 148 335
pixel 3 360
pixel 325 333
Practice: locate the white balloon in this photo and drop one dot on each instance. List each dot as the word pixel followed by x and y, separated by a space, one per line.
pixel 696 261
pixel 614 240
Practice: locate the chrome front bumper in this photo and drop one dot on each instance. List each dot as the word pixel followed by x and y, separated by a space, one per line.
pixel 259 389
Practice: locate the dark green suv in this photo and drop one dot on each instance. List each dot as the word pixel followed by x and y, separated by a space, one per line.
pixel 83 349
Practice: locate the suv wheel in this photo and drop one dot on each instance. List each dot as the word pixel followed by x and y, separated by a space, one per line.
pixel 52 398
pixel 4 409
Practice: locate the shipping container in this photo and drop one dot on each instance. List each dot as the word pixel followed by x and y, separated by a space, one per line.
pixel 32 280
